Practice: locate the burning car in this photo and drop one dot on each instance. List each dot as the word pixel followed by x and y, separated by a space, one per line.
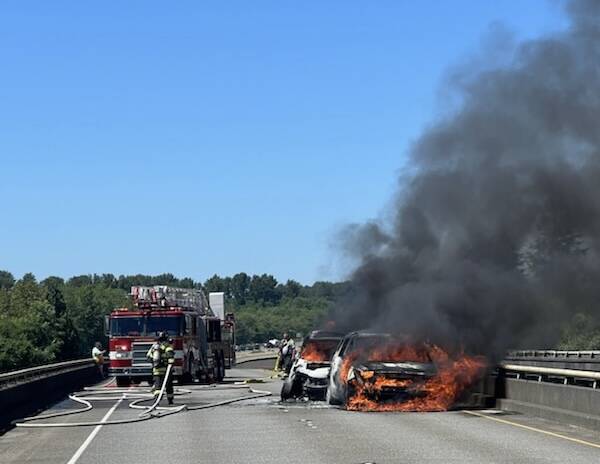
pixel 379 372
pixel 310 372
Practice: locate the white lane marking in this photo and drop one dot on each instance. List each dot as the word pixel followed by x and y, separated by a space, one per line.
pixel 533 429
pixel 89 439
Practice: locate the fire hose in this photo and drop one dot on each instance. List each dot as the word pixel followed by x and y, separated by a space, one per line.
pixel 149 412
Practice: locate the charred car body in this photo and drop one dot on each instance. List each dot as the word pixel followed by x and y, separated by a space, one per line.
pixel 310 371
pixel 378 367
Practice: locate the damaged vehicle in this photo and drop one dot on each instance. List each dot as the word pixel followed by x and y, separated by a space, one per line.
pixel 377 368
pixel 310 371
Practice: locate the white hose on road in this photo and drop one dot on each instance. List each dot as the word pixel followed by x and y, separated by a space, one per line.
pixel 150 412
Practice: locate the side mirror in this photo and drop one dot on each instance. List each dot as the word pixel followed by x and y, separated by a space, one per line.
pixel 107 325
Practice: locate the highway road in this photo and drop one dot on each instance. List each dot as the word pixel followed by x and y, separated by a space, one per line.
pixel 266 431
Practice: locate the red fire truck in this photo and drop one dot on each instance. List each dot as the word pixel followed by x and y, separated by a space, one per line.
pixel 202 338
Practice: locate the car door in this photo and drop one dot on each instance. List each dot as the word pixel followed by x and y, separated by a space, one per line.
pixel 336 364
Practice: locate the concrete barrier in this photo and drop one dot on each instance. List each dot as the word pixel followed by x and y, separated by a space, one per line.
pixel 29 397
pixel 242 358
pixel 568 404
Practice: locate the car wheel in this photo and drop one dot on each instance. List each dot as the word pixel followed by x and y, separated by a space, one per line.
pixel 286 390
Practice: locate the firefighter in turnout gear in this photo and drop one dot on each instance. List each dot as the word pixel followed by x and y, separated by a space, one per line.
pixel 162 354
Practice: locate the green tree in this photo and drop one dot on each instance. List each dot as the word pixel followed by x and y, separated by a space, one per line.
pixel 263 289
pixel 240 288
pixel 7 280
pixel 28 328
pixel 292 289
pixel 54 287
pixel 217 284
pixel 80 281
pixel 582 333
pixel 186 282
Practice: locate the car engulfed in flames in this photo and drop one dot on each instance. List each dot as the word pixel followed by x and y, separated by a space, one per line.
pixel 384 374
pixel 315 352
pixel 310 370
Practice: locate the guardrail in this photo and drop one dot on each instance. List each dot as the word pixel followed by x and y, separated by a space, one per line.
pixel 554 354
pixel 551 374
pixel 563 394
pixel 26 391
pixel 9 379
pixel 578 360
pixel 244 357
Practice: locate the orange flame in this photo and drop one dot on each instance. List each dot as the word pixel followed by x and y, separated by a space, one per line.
pixel 436 394
pixel 313 352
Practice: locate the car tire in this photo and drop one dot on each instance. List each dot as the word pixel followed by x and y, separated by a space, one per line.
pixel 286 390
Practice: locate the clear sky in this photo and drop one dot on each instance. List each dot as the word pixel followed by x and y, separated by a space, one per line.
pixel 217 137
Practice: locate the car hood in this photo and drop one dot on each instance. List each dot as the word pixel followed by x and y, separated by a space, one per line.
pixel 312 369
pixel 407 367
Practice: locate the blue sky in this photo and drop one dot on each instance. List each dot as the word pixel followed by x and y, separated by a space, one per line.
pixel 217 137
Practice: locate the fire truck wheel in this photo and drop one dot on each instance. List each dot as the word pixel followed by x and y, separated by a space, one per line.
pixel 122 381
pixel 188 377
pixel 220 367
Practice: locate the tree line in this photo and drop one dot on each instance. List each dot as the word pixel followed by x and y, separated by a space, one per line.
pixel 57 319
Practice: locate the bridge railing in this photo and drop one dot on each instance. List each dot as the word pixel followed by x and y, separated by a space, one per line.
pixel 554 354
pixel 563 386
pixel 554 375
pixel 9 379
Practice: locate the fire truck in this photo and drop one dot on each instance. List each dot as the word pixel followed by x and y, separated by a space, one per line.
pixel 203 335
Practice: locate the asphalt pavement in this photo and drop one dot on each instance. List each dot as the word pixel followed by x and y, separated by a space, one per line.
pixel 267 431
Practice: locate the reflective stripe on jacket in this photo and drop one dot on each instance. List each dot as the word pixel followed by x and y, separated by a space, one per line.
pixel 166 356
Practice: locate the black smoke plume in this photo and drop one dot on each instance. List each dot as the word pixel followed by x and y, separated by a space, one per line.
pixel 495 239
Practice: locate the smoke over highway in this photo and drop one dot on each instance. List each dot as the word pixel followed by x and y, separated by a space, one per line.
pixel 494 241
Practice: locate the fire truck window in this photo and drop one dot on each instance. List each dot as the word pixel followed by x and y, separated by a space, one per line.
pixel 126 326
pixel 173 325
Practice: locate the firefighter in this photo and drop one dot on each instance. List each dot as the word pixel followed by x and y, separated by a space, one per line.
pixel 287 353
pixel 162 354
pixel 98 356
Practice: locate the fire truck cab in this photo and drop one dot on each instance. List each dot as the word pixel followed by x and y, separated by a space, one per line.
pixel 201 337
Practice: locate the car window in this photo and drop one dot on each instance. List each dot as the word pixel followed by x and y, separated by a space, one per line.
pixel 344 346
